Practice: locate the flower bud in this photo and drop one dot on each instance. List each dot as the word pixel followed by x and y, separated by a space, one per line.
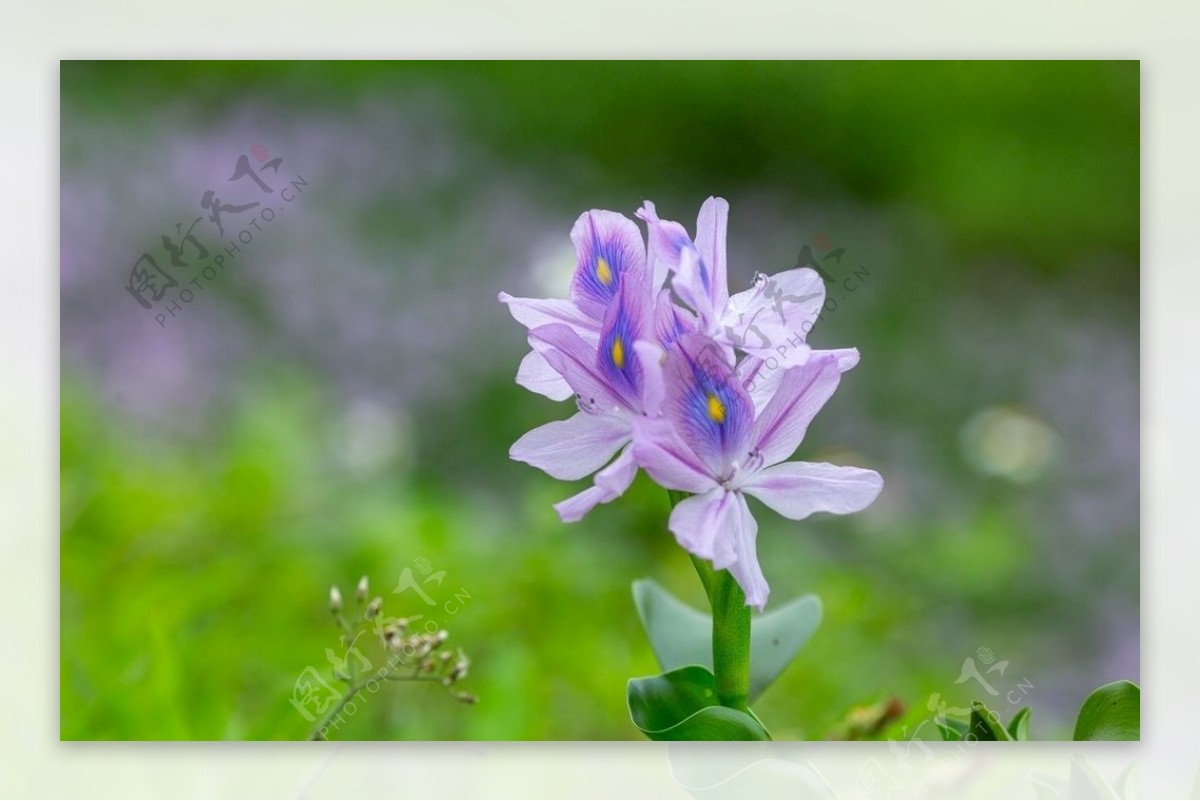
pixel 466 698
pixel 361 594
pixel 335 599
pixel 374 608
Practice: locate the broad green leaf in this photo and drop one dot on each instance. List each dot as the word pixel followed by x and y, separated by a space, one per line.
pixel 776 638
pixel 952 730
pixel 1111 712
pixel 1018 727
pixel 985 724
pixel 682 705
pixel 681 635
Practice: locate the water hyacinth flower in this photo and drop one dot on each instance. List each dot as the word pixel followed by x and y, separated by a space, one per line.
pixel 608 246
pixel 710 442
pixel 771 320
pixel 615 382
pixel 660 386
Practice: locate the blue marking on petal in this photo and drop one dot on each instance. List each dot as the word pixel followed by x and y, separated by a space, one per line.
pixel 715 412
pixel 670 321
pixel 670 327
pixel 603 265
pixel 679 241
pixel 616 356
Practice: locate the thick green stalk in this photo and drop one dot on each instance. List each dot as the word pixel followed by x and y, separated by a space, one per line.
pixel 730 632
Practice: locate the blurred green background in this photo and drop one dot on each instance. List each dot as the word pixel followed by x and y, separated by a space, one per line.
pixel 340 401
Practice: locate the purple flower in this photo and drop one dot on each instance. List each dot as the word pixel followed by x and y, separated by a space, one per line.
pixel 615 381
pixel 608 247
pixel 710 441
pixel 660 386
pixel 769 321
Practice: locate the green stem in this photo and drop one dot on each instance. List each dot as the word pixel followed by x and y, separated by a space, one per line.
pixel 354 689
pixel 730 632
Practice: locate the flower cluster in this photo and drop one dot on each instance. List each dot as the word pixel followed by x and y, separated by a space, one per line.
pixel 418 650
pixel 708 393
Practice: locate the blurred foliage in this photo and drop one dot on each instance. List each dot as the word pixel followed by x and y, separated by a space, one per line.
pixel 195 586
pixel 195 569
pixel 1028 158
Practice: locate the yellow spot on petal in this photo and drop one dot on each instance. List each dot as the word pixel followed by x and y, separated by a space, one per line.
pixel 618 353
pixel 603 271
pixel 716 409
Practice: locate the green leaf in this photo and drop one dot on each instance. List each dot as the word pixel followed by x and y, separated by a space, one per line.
pixel 681 635
pixel 682 705
pixel 776 638
pixel 1018 727
pixel 952 730
pixel 985 724
pixel 1111 712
